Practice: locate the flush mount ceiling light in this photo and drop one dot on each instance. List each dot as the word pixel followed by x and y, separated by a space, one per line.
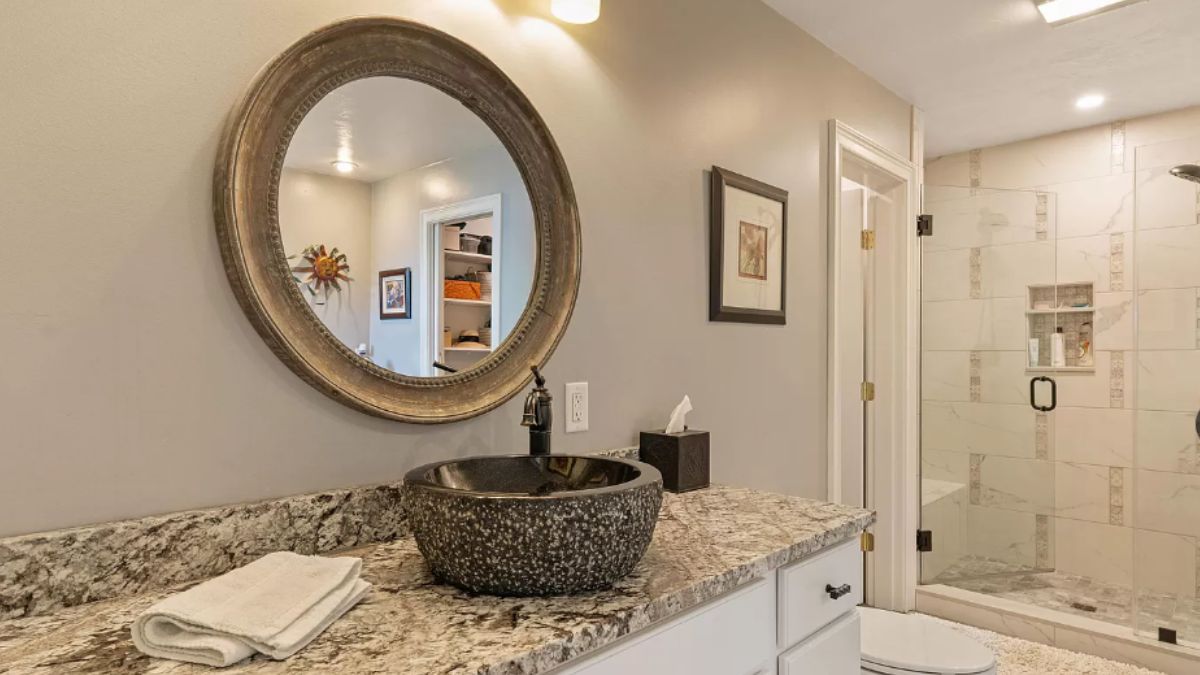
pixel 1061 11
pixel 576 11
pixel 344 165
pixel 1089 101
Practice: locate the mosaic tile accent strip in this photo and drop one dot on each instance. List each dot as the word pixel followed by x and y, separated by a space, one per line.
pixel 976 479
pixel 1042 216
pixel 1198 321
pixel 1198 205
pixel 976 376
pixel 975 165
pixel 976 265
pixel 1116 380
pixel 1118 146
pixel 1116 495
pixel 1041 542
pixel 1116 262
pixel 1042 435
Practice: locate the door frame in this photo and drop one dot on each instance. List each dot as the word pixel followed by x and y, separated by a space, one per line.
pixel 892 570
pixel 430 314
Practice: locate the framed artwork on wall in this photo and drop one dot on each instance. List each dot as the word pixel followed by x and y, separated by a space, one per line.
pixel 747 277
pixel 395 293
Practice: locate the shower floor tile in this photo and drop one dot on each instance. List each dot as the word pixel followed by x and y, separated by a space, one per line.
pixel 1076 594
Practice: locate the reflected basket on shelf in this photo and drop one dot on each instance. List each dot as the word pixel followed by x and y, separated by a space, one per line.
pixel 468 243
pixel 462 290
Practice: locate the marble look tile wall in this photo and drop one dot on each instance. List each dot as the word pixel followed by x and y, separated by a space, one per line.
pixel 1114 473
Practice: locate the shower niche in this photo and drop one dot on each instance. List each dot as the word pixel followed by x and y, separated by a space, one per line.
pixel 1070 307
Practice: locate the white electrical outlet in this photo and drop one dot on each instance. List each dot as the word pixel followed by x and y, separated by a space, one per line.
pixel 577 406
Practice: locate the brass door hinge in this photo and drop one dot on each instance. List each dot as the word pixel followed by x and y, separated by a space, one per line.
pixel 868 240
pixel 868 542
pixel 868 391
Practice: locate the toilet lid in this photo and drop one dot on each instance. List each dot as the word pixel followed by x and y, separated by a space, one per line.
pixel 913 643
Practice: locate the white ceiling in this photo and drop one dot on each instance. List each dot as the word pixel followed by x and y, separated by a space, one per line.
pixel 992 71
pixel 388 126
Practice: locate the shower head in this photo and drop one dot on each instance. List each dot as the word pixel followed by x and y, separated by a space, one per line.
pixel 1187 172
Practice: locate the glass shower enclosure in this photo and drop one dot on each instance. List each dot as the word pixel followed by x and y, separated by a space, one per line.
pixel 1060 388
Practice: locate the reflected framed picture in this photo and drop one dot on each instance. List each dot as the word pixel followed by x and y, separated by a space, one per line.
pixel 747 279
pixel 395 293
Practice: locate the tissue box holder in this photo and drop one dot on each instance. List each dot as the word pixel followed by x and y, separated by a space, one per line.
pixel 682 458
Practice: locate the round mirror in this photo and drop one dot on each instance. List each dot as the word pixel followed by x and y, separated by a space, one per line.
pixel 397 222
pixel 408 226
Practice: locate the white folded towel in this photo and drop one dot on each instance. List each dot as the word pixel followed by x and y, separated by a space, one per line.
pixel 275 605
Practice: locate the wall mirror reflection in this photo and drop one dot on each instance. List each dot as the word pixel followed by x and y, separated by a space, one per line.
pixel 407 225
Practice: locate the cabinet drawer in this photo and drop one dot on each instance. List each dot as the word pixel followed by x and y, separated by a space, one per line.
pixel 832 651
pixel 804 603
pixel 733 635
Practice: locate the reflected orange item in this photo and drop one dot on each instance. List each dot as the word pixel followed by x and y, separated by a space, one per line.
pixel 463 290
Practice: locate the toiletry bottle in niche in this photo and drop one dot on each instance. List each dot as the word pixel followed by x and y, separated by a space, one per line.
pixel 1058 349
pixel 1085 345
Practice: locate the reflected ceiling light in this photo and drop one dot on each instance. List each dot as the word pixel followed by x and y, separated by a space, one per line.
pixel 1061 11
pixel 576 11
pixel 1089 101
pixel 344 165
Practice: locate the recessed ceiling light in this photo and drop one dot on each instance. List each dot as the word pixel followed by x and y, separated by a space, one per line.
pixel 1089 101
pixel 576 11
pixel 1061 11
pixel 344 165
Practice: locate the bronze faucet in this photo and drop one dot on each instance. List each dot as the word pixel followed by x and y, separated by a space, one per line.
pixel 537 415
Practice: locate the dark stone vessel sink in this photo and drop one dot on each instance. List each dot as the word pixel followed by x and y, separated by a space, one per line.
pixel 522 525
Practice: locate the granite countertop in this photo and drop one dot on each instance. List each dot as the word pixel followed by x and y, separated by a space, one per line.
pixel 706 543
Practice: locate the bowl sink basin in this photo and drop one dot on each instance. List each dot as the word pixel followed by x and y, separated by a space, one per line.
pixel 521 525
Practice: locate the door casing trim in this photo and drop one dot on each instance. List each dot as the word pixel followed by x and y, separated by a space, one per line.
pixel 893 569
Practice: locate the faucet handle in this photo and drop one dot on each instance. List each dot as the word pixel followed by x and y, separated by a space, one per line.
pixel 537 377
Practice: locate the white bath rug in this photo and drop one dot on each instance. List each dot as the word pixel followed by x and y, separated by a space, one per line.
pixel 1015 656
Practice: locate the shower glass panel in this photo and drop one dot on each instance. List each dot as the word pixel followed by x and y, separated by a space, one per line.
pixel 991 303
pixel 1165 510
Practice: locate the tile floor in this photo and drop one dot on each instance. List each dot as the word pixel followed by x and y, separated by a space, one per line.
pixel 1079 595
pixel 1015 656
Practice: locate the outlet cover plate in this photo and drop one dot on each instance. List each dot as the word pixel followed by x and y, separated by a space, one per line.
pixel 577 406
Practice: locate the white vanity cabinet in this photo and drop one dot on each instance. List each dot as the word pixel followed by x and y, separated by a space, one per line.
pixel 787 623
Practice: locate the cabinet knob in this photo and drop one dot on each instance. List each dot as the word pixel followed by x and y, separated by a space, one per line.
pixel 836 592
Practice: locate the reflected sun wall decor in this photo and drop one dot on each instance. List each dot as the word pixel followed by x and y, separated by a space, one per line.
pixel 325 267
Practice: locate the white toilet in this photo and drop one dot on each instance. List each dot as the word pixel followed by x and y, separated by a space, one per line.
pixel 908 644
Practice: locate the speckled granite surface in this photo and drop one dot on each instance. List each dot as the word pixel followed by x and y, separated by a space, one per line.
pixel 48 571
pixel 707 542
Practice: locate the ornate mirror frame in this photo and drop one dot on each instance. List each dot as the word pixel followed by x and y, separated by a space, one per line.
pixel 245 204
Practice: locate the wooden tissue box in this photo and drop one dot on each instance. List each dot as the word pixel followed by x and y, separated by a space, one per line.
pixel 681 458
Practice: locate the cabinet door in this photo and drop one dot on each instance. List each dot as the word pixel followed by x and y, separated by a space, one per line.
pixel 734 635
pixel 833 651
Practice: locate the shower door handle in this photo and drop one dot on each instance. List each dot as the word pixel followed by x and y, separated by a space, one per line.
pixel 1053 395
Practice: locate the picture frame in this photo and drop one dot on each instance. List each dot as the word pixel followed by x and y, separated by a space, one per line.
pixel 395 293
pixel 747 250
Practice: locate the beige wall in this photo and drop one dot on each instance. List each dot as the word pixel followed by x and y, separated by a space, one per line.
pixel 133 384
pixel 316 209
pixel 1108 485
